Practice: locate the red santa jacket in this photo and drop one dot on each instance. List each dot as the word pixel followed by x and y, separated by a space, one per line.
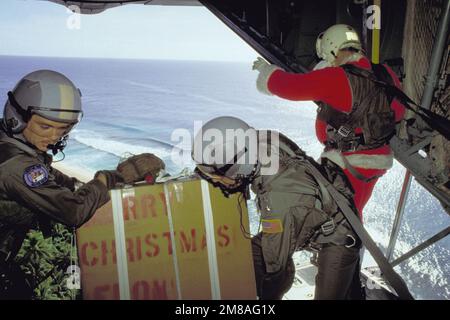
pixel 331 86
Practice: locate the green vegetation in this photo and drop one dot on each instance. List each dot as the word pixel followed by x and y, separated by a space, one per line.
pixel 45 261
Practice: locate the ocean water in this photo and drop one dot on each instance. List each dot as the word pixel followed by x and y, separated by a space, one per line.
pixel 134 106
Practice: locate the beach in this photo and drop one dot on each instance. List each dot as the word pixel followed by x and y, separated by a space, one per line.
pixel 81 174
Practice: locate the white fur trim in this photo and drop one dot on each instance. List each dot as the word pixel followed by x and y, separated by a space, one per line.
pixel 364 161
pixel 263 78
pixel 322 65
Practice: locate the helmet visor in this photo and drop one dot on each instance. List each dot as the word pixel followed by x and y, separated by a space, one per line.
pixel 224 170
pixel 72 116
pixel 59 115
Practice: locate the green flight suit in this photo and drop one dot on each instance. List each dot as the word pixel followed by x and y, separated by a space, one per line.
pixel 294 207
pixel 32 193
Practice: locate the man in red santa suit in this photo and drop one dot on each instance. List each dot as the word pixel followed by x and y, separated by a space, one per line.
pixel 356 117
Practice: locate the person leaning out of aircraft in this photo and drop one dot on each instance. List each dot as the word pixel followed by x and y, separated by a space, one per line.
pixel 38 116
pixel 356 118
pixel 297 212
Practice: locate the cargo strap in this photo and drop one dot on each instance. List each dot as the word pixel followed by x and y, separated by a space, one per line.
pixel 172 240
pixel 386 268
pixel 121 250
pixel 210 242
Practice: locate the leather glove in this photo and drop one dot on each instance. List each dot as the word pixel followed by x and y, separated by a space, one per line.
pixel 265 71
pixel 145 166
pixel 112 178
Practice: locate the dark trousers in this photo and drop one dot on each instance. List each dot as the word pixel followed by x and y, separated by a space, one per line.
pixel 337 277
pixel 338 274
pixel 270 286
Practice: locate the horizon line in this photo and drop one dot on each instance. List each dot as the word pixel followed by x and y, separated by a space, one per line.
pixel 121 58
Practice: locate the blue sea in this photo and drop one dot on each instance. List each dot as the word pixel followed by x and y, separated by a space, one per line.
pixel 134 106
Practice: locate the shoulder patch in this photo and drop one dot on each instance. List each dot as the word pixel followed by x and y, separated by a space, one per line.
pixel 35 176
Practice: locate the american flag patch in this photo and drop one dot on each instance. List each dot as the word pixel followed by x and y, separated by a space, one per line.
pixel 272 226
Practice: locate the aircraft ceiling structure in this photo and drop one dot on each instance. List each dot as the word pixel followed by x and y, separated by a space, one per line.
pixel 98 6
pixel 284 31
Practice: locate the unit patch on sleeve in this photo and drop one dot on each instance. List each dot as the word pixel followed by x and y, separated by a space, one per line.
pixel 35 176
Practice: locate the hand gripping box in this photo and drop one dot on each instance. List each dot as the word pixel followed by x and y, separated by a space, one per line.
pixel 177 240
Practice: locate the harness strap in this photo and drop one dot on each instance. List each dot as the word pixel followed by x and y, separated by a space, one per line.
pixel 435 121
pixel 386 268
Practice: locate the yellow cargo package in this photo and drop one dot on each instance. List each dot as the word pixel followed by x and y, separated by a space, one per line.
pixel 177 240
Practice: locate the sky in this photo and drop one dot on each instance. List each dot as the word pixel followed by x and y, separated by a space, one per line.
pixel 41 28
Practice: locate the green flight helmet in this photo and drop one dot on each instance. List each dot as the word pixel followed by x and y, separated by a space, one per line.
pixel 227 146
pixel 46 93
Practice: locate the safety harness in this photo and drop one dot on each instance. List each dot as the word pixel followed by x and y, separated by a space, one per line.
pixel 376 121
pixel 371 111
pixel 348 213
pixel 329 232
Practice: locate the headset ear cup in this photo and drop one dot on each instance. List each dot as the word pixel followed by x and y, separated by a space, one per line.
pixel 13 121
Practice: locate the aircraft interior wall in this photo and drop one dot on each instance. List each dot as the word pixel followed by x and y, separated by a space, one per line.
pixel 277 25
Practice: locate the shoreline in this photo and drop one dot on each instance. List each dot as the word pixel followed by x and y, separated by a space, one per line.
pixel 82 174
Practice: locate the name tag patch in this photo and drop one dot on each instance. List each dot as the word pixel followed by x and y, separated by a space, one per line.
pixel 35 176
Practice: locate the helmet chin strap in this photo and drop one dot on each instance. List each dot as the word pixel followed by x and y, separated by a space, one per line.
pixel 241 184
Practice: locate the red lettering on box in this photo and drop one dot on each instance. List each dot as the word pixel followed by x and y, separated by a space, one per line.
pixel 140 291
pixel 224 238
pixel 169 241
pixel 129 208
pixel 138 249
pixel 84 254
pixel 148 206
pixel 130 248
pixel 188 244
pixel 160 290
pixel 154 251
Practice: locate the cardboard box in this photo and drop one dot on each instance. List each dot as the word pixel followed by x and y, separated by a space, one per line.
pixel 177 240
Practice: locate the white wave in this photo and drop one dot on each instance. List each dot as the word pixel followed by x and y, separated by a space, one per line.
pixel 118 148
pixel 152 87
pixel 209 99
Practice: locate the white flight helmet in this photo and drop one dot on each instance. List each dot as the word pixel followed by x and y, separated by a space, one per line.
pixel 226 146
pixel 335 38
pixel 46 93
